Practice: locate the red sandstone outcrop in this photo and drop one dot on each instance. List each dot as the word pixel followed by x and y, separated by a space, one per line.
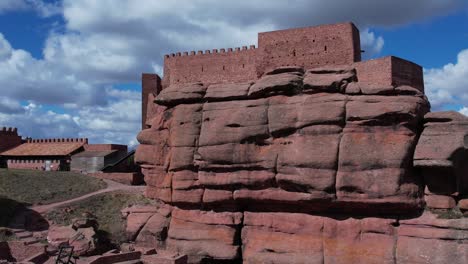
pixel 442 156
pixel 315 163
pixel 293 139
pixel 80 234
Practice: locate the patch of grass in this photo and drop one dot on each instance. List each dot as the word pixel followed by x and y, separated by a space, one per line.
pixel 45 187
pixel 6 235
pixel 454 213
pixel 106 208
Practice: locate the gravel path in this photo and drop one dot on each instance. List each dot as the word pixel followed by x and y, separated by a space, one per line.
pixel 111 186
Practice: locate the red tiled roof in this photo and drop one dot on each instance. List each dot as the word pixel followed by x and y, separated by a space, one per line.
pixel 44 149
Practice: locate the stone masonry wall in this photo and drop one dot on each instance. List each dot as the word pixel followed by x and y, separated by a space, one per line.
pixel 33 164
pixel 9 138
pixel 233 65
pixel 307 47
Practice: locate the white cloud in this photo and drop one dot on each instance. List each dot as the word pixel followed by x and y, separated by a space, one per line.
pixel 371 44
pixel 9 106
pixel 448 84
pixel 9 5
pixel 40 123
pixel 26 78
pixel 43 9
pixel 464 111
pixel 122 38
pixel 116 122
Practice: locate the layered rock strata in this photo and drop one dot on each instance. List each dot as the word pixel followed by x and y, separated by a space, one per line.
pixel 304 166
pixel 315 141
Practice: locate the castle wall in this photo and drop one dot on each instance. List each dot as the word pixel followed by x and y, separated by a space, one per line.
pixel 105 147
pixel 407 73
pixel 9 138
pixel 58 140
pixel 223 66
pixel 390 71
pixel 309 47
pixel 150 87
pixel 32 164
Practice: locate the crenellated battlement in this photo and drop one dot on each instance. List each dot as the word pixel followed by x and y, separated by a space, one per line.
pixel 308 47
pixel 210 52
pixel 9 130
pixel 9 138
pixel 58 140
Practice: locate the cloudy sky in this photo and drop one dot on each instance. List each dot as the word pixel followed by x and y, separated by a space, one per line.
pixel 72 68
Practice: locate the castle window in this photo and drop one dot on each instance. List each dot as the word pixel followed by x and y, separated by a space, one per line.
pixel 243 66
pixel 224 67
pixel 202 68
pixel 325 48
pixel 294 53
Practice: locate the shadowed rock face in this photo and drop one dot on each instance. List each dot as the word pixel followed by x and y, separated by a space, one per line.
pixel 267 157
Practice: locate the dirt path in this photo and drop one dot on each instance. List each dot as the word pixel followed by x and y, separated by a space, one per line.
pixel 111 186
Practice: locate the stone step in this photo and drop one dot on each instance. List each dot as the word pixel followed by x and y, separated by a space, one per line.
pixel 30 241
pixel 136 261
pixel 24 234
pixel 16 230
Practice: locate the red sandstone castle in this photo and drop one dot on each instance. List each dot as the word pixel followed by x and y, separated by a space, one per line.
pixel 309 47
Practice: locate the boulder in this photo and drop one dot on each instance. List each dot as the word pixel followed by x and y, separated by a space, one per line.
pixel 84 240
pixel 154 232
pixel 231 91
pixel 427 239
pixel 84 223
pixel 440 201
pixel 204 235
pixel 328 79
pixel 277 83
pixel 441 154
pixel 135 223
pixel 183 93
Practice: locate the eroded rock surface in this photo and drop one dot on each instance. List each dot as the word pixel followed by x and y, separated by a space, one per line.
pixel 303 167
pixel 292 139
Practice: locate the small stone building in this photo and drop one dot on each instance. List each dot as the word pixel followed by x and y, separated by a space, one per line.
pixel 96 157
pixel 44 154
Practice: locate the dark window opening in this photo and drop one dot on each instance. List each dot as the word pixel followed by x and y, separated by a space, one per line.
pixel 224 67
pixel 325 48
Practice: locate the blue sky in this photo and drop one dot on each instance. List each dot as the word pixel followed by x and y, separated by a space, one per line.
pixel 71 68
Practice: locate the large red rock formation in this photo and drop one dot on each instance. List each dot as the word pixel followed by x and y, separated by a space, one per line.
pixel 291 140
pixel 305 165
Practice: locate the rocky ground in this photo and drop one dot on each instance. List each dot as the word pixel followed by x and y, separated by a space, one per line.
pixel 91 223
